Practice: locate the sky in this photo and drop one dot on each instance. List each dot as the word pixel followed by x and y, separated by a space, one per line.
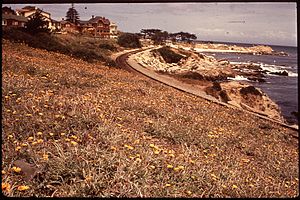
pixel 273 23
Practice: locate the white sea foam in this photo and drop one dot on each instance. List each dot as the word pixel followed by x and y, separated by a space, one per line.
pixel 277 68
pixel 293 74
pixel 238 78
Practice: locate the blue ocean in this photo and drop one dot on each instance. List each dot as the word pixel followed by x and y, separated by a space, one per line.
pixel 281 89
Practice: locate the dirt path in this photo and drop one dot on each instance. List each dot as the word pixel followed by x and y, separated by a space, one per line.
pixel 126 61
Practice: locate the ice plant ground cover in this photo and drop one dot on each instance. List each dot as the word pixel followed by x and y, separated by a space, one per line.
pixel 88 130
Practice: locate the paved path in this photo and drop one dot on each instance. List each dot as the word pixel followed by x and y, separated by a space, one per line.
pixel 167 80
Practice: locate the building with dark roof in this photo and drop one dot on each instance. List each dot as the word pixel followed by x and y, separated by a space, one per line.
pixel 11 19
pixel 96 26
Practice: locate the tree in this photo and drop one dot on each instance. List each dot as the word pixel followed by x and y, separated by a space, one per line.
pixel 149 33
pixel 129 40
pixel 37 24
pixel 160 37
pixel 72 15
pixel 183 36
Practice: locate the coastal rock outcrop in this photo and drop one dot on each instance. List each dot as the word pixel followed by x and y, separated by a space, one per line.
pixel 192 65
pixel 252 99
pixel 198 66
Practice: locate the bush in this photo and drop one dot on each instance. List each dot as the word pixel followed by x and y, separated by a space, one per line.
pixel 107 46
pixel 168 55
pixel 86 54
pixel 49 42
pixel 129 40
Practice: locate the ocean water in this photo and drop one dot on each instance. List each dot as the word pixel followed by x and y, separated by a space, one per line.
pixel 281 89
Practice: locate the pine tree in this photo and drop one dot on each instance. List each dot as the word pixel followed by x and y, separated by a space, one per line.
pixel 37 24
pixel 72 15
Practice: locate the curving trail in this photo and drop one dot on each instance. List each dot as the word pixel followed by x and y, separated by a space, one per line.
pixel 125 61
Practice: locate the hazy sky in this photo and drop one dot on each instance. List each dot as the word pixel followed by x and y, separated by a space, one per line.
pixel 264 23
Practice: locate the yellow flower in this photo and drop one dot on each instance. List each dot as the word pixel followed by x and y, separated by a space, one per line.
pixel 40 141
pixel 234 187
pixel 67 139
pixel 74 137
pixel 3 172
pixel 192 161
pixel 181 167
pixel 39 133
pixel 128 146
pixel 5 187
pixel 156 152
pixel 24 145
pixel 33 143
pixel 16 169
pixel 23 187
pixel 152 166
pixel 113 148
pixel 172 155
pixel 10 137
pixel 152 145
pixel 18 148
pixel 168 185
pixel 170 166
pixel 41 114
pixel 30 138
pixel 189 192
pixel 62 134
pixel 176 169
pixel 74 143
pixel 45 157
pixel 51 134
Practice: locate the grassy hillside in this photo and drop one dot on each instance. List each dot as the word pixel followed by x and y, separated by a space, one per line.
pixel 89 49
pixel 91 130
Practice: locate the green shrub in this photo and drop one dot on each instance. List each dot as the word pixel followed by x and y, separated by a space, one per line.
pixel 73 48
pixel 129 40
pixel 107 46
pixel 168 55
pixel 86 54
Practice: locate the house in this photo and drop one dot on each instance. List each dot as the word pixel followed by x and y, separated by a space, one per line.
pixel 69 27
pixel 113 30
pixel 29 11
pixel 56 25
pixel 96 26
pixel 11 19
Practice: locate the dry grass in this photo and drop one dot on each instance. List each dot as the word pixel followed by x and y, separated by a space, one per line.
pixel 127 131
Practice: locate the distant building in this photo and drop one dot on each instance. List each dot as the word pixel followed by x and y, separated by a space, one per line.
pixel 29 11
pixel 11 19
pixel 113 30
pixel 96 26
pixel 68 27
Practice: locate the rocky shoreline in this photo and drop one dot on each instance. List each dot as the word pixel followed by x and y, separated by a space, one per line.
pixel 217 77
pixel 254 50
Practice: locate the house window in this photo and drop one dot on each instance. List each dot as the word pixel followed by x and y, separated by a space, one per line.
pixel 15 23
pixel 4 22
